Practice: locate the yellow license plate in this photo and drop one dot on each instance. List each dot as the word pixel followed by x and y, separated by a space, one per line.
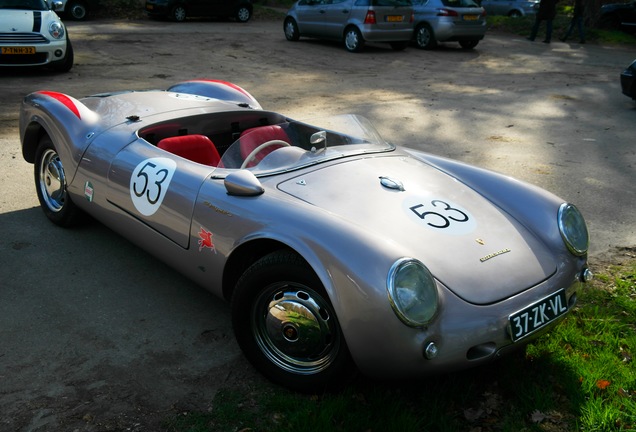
pixel 18 50
pixel 394 18
pixel 471 17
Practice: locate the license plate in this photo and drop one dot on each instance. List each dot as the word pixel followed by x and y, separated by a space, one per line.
pixel 471 17
pixel 150 7
pixel 394 18
pixel 18 50
pixel 537 315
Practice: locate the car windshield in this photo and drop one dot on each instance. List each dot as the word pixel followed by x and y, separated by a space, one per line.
pixel 38 5
pixel 459 3
pixel 287 146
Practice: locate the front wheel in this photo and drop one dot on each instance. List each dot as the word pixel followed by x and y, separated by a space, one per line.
pixel 77 10
pixel 178 13
pixel 51 185
pixel 243 14
pixel 468 44
pixel 291 30
pixel 354 42
pixel 286 326
pixel 425 38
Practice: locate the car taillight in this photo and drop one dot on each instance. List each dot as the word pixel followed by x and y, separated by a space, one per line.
pixel 412 20
pixel 370 18
pixel 446 12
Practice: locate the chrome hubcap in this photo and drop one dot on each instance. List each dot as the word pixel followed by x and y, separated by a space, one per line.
pixel 295 330
pixel 351 40
pixel 289 29
pixel 52 181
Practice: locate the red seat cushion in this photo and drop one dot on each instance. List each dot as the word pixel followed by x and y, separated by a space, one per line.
pixel 197 148
pixel 252 138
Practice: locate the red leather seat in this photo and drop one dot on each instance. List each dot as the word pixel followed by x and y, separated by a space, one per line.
pixel 197 148
pixel 252 138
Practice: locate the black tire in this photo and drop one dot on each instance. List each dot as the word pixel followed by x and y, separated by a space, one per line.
pixel 66 64
pixel 76 10
pixel 353 40
pixel 399 46
pixel 51 186
pixel 424 37
pixel 515 14
pixel 243 14
pixel 468 44
pixel 303 351
pixel 290 27
pixel 178 13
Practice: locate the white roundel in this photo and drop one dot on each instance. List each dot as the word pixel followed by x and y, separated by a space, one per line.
pixel 149 184
pixel 440 215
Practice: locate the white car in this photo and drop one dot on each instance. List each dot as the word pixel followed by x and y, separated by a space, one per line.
pixel 31 34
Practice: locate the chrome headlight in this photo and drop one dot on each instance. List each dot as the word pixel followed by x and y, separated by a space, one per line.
pixel 56 30
pixel 412 292
pixel 573 229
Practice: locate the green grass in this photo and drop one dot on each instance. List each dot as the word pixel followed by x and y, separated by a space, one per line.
pixel 580 377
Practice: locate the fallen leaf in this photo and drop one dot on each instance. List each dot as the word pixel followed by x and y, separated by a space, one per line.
pixel 603 384
pixel 537 416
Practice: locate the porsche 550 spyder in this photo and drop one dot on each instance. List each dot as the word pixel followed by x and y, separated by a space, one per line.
pixel 338 251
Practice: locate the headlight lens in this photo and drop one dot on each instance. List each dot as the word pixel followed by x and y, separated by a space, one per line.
pixel 412 292
pixel 56 29
pixel 573 229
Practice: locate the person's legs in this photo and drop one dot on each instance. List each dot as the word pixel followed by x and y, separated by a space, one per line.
pixel 548 31
pixel 535 29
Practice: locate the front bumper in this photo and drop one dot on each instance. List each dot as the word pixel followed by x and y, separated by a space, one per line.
pixel 628 81
pixel 462 336
pixel 32 53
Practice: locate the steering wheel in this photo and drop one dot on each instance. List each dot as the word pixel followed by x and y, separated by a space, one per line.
pixel 254 152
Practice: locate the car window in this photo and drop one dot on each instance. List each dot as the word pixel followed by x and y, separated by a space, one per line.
pixel 460 3
pixel 23 4
pixel 384 3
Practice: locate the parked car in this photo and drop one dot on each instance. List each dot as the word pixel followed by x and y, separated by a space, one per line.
pixel 437 21
pixel 179 10
pixel 620 16
pixel 337 250
pixel 354 22
pixel 78 10
pixel 31 34
pixel 628 81
pixel 511 8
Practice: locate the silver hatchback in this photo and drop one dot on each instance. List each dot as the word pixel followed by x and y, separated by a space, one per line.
pixel 352 21
pixel 462 21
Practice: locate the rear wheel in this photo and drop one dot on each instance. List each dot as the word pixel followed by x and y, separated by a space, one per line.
pixel 354 42
pixel 424 37
pixel 286 326
pixel 243 14
pixel 291 29
pixel 468 44
pixel 51 186
pixel 514 14
pixel 178 13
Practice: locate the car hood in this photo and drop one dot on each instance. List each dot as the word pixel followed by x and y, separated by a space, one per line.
pixel 23 21
pixel 476 249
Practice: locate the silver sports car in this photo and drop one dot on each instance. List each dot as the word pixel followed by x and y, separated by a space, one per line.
pixel 337 250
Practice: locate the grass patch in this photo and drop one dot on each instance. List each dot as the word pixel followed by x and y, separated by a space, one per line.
pixel 578 378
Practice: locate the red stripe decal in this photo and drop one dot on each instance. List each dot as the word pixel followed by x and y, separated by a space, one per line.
pixel 68 103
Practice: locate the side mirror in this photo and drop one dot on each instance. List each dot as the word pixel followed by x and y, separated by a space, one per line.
pixel 318 139
pixel 243 183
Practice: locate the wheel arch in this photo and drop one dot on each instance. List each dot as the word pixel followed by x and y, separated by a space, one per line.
pixel 244 256
pixel 33 132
